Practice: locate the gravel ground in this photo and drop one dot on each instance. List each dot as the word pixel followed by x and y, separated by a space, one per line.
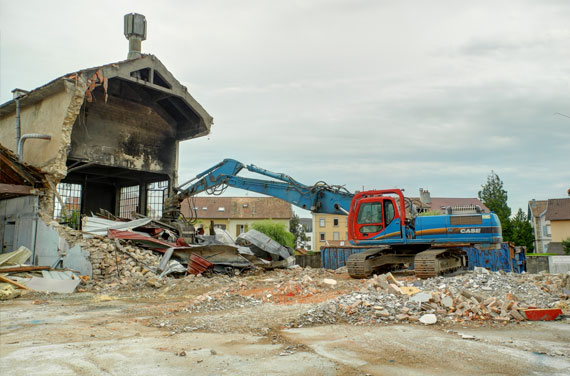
pixel 294 321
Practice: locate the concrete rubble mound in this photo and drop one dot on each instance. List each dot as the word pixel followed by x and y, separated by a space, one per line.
pixel 477 296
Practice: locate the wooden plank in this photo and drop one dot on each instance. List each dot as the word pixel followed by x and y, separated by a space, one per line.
pixel 27 268
pixel 8 280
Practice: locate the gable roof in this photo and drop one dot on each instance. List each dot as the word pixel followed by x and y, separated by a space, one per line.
pixel 141 79
pixel 438 203
pixel 558 209
pixel 537 207
pixel 238 207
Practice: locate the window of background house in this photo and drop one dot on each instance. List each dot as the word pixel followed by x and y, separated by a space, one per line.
pixel 322 236
pixel 321 222
pixel 335 222
pixel 336 236
pixel 241 229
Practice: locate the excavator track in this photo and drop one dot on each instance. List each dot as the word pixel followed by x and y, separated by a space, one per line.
pixel 435 262
pixel 366 263
pixel 427 264
pixel 357 264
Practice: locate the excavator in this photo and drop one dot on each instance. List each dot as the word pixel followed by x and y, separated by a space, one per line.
pixel 382 224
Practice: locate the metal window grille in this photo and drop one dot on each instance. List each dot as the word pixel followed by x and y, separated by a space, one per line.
pixel 71 197
pixel 156 193
pixel 129 201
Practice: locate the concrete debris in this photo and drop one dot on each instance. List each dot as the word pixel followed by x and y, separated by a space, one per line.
pixel 428 319
pixel 329 281
pixel 449 299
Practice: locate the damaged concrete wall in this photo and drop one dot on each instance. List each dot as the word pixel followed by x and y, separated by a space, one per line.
pixel 125 134
pixel 53 114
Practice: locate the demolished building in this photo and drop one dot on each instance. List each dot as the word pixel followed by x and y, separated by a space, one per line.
pixel 107 137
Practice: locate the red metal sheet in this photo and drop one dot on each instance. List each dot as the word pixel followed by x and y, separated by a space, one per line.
pixel 146 241
pixel 198 265
pixel 544 314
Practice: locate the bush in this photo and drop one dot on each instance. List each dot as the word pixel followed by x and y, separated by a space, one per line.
pixel 566 246
pixel 276 231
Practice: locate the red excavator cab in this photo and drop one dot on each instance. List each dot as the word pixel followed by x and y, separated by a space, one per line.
pixel 372 211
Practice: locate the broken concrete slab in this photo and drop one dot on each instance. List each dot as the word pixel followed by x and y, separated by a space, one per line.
pixel 53 285
pixel 421 297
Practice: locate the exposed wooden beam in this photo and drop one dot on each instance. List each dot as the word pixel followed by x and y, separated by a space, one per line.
pixel 16 189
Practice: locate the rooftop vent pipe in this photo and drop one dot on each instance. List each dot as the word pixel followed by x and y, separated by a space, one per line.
pixel 135 32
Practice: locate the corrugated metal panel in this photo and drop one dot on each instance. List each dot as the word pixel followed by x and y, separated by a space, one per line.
pixel 336 257
pixel 198 265
pixel 506 258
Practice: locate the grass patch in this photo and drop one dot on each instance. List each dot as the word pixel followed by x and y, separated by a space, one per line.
pixel 543 254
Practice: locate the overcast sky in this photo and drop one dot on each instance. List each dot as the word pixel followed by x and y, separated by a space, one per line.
pixel 366 94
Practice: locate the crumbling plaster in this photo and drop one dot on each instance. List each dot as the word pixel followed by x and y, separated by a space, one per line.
pixel 53 115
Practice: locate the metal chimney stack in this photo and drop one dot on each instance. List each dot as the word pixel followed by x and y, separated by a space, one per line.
pixel 135 32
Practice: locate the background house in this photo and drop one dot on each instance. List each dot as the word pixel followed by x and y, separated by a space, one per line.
pixel 236 214
pixel 558 214
pixel 540 225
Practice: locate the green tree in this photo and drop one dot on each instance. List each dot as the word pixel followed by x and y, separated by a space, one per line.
pixel 494 196
pixel 297 230
pixel 522 233
pixel 276 231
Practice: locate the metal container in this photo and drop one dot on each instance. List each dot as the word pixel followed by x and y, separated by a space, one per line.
pixel 336 257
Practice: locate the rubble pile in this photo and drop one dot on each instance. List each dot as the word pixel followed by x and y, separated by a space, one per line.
pixel 112 262
pixel 109 260
pixel 476 296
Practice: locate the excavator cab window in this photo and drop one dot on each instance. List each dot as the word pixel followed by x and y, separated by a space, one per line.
pixel 370 215
pixel 389 212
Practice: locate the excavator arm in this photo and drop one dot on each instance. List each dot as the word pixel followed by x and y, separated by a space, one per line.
pixel 318 198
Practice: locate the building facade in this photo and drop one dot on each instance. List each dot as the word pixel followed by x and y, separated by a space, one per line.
pixel 236 214
pixel 329 228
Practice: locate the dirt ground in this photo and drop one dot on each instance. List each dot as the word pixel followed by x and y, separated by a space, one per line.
pixel 149 331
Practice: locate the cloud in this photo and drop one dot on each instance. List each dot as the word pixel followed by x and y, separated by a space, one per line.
pixel 367 93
